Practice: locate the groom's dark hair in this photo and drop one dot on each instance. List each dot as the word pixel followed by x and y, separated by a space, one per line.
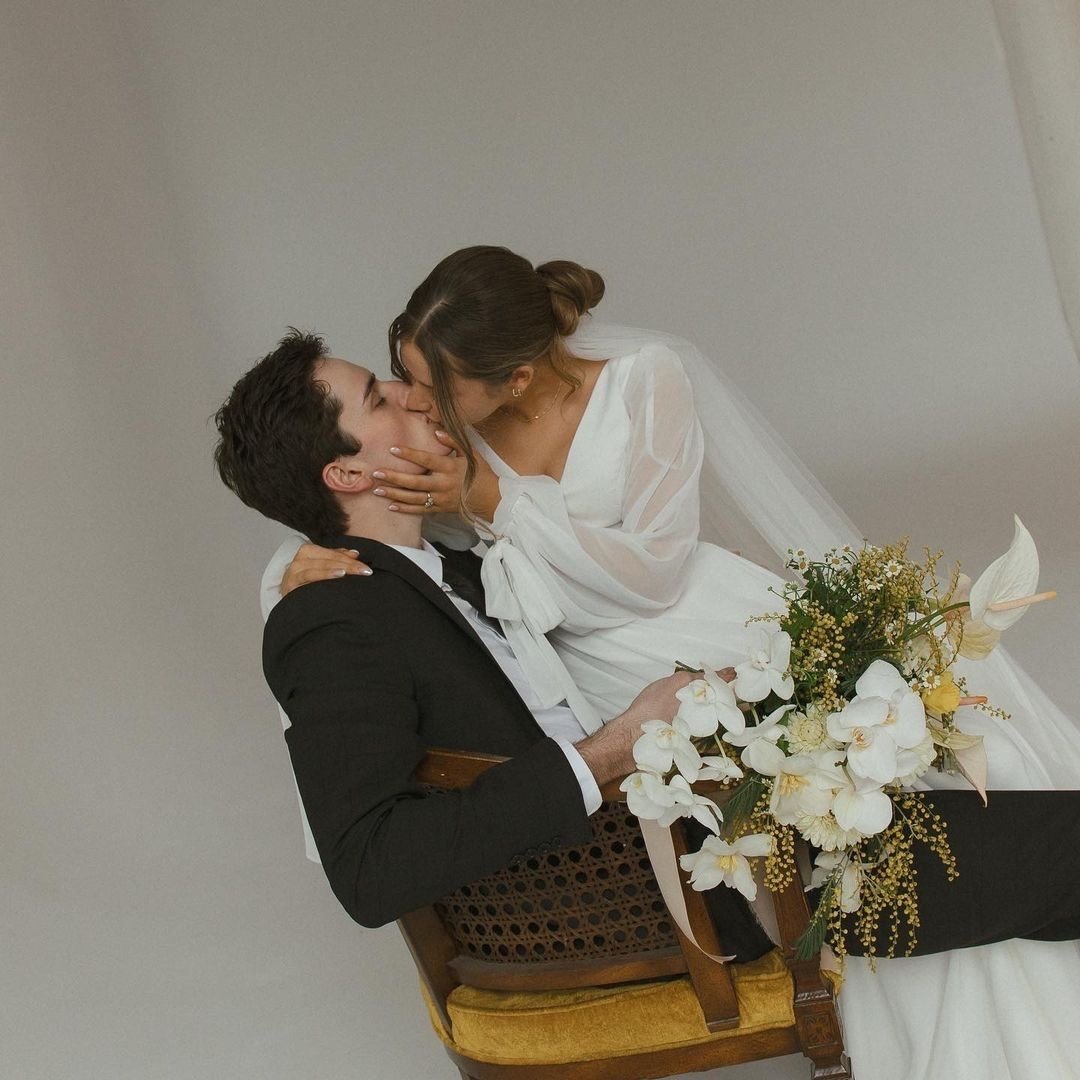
pixel 277 430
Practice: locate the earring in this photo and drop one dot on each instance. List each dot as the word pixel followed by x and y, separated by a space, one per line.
pixel 516 391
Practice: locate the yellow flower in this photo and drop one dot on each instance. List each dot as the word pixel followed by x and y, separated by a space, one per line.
pixel 943 698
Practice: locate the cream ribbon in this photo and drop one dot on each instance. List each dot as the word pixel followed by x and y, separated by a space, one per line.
pixel 666 869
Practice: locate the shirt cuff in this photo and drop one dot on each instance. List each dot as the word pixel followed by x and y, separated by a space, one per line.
pixel 590 791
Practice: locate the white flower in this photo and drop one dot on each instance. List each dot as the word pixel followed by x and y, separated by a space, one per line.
pixel 662 745
pixel 825 864
pixel 765 670
pixel 647 795
pixel 1013 576
pixel 719 767
pixel 917 651
pixel 707 703
pixel 719 862
pixel 806 731
pixel 687 803
pixel 823 832
pixel 885 715
pixel 804 784
pixel 862 806
pixel 759 741
pixel 912 763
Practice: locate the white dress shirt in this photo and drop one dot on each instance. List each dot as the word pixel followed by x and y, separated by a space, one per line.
pixel 558 722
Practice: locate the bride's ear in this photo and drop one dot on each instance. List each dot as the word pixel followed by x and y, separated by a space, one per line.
pixel 520 379
pixel 346 478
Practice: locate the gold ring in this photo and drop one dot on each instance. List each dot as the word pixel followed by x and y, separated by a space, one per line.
pixel 429 502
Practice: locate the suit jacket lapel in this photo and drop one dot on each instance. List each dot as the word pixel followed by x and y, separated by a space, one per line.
pixel 384 559
pixel 380 557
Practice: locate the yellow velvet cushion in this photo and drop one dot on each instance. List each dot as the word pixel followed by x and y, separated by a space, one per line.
pixel 556 1026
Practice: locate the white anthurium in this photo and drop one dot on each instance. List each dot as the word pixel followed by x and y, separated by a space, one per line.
pixel 850 892
pixel 977 640
pixel 662 745
pixel 647 796
pixel 722 863
pixel 1013 576
pixel 861 805
pixel 765 671
pixel 719 767
pixel 885 716
pixel 688 803
pixel 805 784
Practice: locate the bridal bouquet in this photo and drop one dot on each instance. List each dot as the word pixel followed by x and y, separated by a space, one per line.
pixel 847 699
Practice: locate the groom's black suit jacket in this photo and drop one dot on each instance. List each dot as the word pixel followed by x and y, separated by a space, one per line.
pixel 373 672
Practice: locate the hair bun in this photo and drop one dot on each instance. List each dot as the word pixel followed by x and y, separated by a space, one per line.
pixel 574 290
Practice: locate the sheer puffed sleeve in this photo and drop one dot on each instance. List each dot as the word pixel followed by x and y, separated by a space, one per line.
pixel 546 568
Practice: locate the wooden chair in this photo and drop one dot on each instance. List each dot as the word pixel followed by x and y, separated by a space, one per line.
pixel 568 967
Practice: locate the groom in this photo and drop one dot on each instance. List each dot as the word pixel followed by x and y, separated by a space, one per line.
pixel 374 671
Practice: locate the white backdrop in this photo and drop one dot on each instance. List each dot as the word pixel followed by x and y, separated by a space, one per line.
pixel 832 199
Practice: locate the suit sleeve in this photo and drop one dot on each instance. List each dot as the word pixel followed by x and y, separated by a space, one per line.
pixel 387 845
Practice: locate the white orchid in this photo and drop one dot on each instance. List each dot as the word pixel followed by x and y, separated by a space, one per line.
pixel 765 671
pixel 709 703
pixel 885 716
pixel 647 796
pixel 759 742
pixel 650 797
pixel 719 767
pixel 662 745
pixel 912 762
pixel 768 731
pixel 802 784
pixel 850 891
pixel 862 806
pixel 688 803
pixel 719 862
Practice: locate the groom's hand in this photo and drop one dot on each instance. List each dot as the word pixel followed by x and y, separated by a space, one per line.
pixel 609 752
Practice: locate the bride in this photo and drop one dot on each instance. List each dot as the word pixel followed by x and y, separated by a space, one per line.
pixel 582 465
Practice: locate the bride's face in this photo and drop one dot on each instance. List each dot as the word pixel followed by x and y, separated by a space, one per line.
pixel 475 399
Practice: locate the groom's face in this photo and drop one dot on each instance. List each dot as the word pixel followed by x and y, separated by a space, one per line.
pixel 373 412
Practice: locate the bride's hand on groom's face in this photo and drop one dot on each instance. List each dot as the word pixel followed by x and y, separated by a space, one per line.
pixel 437 490
pixel 314 563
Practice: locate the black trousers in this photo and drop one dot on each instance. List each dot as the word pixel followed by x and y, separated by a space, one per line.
pixel 1019 877
pixel 1019 871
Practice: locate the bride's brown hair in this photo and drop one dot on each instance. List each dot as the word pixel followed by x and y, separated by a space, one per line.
pixel 482 313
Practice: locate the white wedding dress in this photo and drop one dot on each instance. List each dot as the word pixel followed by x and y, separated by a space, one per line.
pixel 608 562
